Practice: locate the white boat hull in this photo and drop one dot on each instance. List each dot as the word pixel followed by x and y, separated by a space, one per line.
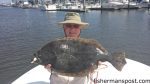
pixel 133 70
pixel 51 7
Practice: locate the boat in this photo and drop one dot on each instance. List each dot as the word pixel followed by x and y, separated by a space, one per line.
pixel 96 6
pixel 71 6
pixel 47 5
pixel 26 4
pixel 133 72
pixel 113 5
pixel 130 4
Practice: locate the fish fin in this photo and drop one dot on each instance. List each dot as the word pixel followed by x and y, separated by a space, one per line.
pixel 118 60
pixel 35 60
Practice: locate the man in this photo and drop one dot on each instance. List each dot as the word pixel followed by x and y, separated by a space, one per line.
pixel 72 26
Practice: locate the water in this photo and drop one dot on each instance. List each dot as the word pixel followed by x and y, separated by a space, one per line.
pixel 24 31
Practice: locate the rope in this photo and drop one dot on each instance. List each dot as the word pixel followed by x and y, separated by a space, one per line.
pixel 68 80
pixel 97 73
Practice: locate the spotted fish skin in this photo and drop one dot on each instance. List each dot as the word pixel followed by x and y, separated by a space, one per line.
pixel 75 56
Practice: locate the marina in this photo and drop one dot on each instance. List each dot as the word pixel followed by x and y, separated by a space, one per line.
pixel 81 6
pixel 24 31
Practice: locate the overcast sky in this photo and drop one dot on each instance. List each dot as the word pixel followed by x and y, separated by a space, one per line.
pixel 5 1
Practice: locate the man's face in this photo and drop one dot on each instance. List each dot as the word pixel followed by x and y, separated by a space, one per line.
pixel 72 30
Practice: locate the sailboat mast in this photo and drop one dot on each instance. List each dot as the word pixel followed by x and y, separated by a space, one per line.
pixel 84 7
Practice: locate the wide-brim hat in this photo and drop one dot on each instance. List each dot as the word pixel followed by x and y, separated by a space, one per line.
pixel 73 17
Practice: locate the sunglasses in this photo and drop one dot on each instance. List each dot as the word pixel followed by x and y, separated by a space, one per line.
pixel 72 25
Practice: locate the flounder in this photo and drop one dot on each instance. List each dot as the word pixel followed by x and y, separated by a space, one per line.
pixel 76 57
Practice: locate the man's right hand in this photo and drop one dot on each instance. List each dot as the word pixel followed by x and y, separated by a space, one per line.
pixel 48 67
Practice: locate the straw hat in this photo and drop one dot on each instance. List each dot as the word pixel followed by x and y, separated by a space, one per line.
pixel 73 17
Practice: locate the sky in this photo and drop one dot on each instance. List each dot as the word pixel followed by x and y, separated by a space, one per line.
pixel 5 1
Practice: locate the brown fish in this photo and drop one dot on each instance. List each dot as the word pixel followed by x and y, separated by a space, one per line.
pixel 76 57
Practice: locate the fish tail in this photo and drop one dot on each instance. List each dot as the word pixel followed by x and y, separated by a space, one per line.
pixel 118 60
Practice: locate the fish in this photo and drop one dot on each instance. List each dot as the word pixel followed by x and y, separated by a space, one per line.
pixel 76 57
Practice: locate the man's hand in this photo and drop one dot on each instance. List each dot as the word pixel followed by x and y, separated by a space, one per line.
pixel 48 67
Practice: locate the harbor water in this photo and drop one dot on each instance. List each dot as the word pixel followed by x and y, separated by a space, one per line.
pixel 24 31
